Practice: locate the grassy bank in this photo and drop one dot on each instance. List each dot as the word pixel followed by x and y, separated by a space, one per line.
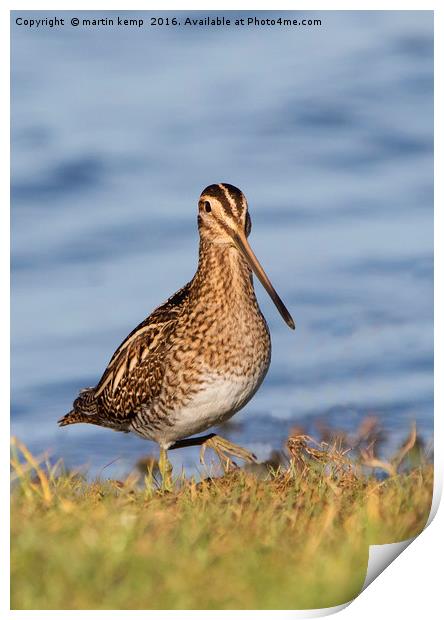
pixel 289 539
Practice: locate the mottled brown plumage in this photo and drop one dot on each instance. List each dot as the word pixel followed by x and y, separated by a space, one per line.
pixel 199 357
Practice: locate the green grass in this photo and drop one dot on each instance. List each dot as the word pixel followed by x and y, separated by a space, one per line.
pixel 296 539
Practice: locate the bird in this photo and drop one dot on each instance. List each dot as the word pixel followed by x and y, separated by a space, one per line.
pixel 197 359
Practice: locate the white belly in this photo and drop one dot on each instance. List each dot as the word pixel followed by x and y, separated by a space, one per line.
pixel 219 398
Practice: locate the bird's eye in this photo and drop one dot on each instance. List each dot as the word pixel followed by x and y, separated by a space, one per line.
pixel 207 206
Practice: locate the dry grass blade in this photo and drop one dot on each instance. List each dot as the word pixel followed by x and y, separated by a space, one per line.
pixel 405 448
pixel 391 467
pixel 332 457
pixel 32 464
pixel 368 460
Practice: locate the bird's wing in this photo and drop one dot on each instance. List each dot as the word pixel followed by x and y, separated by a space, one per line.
pixel 134 374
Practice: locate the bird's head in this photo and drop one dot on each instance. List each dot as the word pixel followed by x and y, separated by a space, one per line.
pixel 224 219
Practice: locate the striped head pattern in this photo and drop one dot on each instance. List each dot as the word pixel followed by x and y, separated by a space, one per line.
pixel 223 211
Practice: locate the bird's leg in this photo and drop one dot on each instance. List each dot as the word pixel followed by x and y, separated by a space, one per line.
pixel 166 470
pixel 222 447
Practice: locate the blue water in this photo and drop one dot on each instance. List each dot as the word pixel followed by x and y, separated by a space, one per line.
pixel 329 132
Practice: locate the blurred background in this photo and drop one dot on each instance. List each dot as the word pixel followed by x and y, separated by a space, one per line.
pixel 329 132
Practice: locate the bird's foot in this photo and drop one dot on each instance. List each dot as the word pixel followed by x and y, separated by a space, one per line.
pixel 224 449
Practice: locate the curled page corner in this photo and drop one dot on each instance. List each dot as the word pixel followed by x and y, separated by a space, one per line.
pixel 380 556
pixel 302 613
pixel 318 613
pixel 327 611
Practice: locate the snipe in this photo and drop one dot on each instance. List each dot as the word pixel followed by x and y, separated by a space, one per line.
pixel 198 358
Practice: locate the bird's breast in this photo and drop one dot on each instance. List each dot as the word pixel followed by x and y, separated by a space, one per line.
pixel 218 398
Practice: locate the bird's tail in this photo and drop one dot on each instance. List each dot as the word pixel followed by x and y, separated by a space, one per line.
pixel 84 409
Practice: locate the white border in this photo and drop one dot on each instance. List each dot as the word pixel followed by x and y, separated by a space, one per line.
pixel 410 586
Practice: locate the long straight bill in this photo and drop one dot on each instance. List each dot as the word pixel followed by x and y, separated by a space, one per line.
pixel 243 245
